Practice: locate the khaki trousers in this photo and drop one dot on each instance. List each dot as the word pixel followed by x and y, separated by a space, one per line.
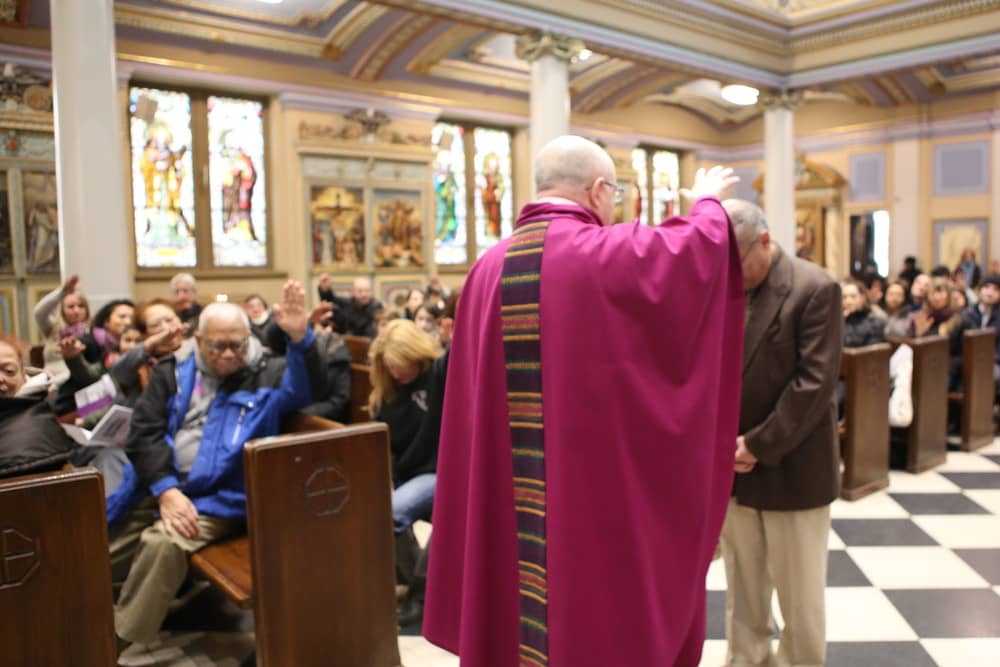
pixel 786 552
pixel 157 570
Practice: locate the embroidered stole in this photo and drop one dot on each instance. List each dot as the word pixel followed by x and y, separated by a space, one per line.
pixel 520 313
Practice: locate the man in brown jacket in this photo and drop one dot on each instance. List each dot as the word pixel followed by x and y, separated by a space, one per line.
pixel 787 456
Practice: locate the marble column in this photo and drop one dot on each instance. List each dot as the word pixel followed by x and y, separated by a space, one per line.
pixel 904 211
pixel 994 234
pixel 93 198
pixel 779 164
pixel 550 56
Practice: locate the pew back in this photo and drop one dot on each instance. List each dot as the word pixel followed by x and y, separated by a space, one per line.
pixel 978 388
pixel 866 419
pixel 55 579
pixel 321 548
pixel 358 347
pixel 361 389
pixel 928 434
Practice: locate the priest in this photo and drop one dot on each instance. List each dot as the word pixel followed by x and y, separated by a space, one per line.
pixel 587 442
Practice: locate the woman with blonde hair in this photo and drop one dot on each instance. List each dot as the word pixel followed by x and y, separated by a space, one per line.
pixel 407 373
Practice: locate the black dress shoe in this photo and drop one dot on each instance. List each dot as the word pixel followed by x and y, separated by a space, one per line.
pixel 411 612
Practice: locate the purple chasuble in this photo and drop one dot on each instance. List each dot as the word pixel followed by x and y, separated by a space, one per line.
pixel 641 358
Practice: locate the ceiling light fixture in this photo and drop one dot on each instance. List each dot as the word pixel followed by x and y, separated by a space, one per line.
pixel 271 2
pixel 584 55
pixel 740 95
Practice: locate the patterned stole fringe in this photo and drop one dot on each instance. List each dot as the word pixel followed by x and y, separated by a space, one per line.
pixel 521 294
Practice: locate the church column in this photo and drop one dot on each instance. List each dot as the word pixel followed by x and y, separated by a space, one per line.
pixel 994 234
pixel 93 234
pixel 550 56
pixel 904 212
pixel 779 164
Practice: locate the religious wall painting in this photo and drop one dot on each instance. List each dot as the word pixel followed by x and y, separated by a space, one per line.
pixel 398 237
pixel 237 181
pixel 666 183
pixel 6 233
pixel 162 188
pixel 494 202
pixel 953 237
pixel 41 221
pixel 14 12
pixel 449 195
pixel 8 311
pixel 337 226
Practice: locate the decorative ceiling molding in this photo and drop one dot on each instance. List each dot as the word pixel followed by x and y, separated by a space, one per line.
pixel 216 30
pixel 481 75
pixel 388 45
pixel 351 27
pixel 440 48
pixel 597 95
pixel 302 19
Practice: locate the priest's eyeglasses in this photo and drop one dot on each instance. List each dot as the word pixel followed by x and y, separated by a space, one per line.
pixel 618 190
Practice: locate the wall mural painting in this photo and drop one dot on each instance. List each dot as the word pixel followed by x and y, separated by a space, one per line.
pixel 41 222
pixel 494 201
pixel 338 227
pixel 449 194
pixel 7 309
pixel 162 190
pixel 6 242
pixel 666 183
pixel 399 238
pixel 236 168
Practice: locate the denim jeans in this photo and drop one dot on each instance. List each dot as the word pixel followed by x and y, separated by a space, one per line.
pixel 412 501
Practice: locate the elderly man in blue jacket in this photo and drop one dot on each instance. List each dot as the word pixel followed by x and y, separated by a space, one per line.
pixel 186 446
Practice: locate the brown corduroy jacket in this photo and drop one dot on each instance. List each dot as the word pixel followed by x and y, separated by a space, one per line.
pixel 788 412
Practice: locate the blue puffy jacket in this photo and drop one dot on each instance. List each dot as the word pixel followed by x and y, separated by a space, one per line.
pixel 249 404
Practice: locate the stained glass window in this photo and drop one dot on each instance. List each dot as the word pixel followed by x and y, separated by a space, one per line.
pixel 657 175
pixel 162 188
pixel 666 176
pixel 639 159
pixel 236 179
pixel 450 234
pixel 494 202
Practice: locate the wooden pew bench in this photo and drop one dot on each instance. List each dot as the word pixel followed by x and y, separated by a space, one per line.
pixel 361 389
pixel 927 436
pixel 55 579
pixel 227 564
pixel 317 563
pixel 865 435
pixel 975 402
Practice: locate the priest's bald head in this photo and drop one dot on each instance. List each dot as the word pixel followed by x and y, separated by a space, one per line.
pixel 571 167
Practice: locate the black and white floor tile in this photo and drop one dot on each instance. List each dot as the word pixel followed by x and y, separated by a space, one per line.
pixel 913 581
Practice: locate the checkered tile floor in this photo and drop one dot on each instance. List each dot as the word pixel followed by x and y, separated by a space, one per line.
pixel 914 581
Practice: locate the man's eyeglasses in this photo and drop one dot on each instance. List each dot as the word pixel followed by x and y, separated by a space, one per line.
pixel 217 347
pixel 618 190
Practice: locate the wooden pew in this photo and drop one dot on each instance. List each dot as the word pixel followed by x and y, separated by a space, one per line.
pixel 36 356
pixel 865 437
pixel 319 548
pixel 927 436
pixel 358 347
pixel 55 576
pixel 975 401
pixel 361 389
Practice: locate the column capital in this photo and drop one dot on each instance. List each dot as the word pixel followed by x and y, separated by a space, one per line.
pixel 784 98
pixel 533 45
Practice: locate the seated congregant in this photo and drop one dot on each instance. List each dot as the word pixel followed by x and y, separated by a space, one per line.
pixel 897 310
pixel 861 326
pixel 986 315
pixel 186 448
pixel 354 316
pixel 938 319
pixel 184 290
pixel 31 441
pixel 408 379
pixel 259 314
